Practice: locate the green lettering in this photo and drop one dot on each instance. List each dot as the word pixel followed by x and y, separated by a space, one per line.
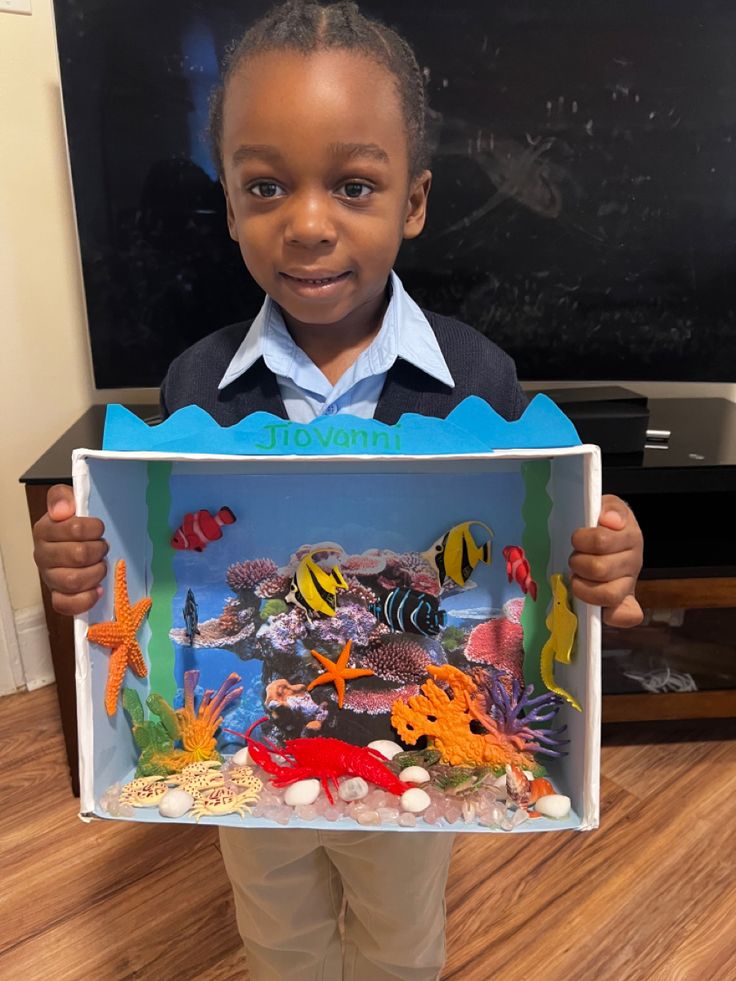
pixel 302 438
pixel 378 438
pixel 359 435
pixel 272 444
pixel 324 437
pixel 342 438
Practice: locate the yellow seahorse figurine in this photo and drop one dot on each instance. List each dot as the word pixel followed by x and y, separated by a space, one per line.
pixel 562 625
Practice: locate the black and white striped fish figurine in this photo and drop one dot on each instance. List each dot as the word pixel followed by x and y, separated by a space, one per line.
pixel 410 611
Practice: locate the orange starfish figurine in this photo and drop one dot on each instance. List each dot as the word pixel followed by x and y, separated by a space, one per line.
pixel 119 634
pixel 337 672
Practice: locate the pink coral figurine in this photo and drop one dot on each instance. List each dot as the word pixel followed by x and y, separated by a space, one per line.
pixel 499 643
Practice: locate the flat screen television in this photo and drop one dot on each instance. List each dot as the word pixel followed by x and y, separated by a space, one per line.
pixel 583 210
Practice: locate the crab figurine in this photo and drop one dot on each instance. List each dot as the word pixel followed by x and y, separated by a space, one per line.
pixel 244 777
pixel 222 800
pixel 144 791
pixel 200 776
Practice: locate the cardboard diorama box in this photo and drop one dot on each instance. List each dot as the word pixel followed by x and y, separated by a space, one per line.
pixel 341 624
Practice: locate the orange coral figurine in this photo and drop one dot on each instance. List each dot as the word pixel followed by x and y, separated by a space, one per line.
pixel 447 722
pixel 119 634
pixel 198 728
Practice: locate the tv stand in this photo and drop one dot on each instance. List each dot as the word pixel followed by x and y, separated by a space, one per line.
pixel 683 497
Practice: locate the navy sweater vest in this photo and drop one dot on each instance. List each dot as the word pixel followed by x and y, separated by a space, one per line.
pixel 476 364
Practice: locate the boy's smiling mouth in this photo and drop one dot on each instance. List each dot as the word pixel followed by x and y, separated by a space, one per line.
pixel 317 284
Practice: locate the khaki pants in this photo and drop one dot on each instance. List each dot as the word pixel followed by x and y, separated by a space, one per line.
pixel 289 887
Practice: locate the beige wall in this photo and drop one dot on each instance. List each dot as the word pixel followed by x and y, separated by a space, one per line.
pixel 46 377
pixel 44 359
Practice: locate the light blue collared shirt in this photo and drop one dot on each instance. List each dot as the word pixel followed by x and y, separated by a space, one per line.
pixel 405 333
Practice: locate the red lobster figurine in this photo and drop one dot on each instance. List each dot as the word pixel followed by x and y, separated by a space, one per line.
pixel 322 758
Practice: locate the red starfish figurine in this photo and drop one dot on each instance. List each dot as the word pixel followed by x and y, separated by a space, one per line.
pixel 337 672
pixel 119 634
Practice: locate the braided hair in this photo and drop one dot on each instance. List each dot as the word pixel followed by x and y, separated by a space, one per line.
pixel 307 26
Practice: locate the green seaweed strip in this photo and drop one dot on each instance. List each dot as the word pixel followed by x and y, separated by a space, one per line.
pixel 163 582
pixel 536 543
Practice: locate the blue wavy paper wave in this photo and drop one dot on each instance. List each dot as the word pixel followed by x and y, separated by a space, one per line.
pixel 472 427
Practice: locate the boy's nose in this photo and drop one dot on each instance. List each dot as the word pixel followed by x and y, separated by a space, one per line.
pixel 309 222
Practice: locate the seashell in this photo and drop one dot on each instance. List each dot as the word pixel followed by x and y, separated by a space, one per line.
pixel 414 774
pixel 302 792
pixel 415 800
pixel 386 748
pixel 353 789
pixel 175 803
pixel 553 806
pixel 242 757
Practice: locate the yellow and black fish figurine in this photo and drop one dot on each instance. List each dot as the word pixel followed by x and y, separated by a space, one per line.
pixel 313 589
pixel 456 554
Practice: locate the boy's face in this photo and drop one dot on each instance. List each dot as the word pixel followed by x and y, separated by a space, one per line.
pixel 316 178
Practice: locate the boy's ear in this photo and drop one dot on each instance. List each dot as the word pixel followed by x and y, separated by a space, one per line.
pixel 231 226
pixel 416 209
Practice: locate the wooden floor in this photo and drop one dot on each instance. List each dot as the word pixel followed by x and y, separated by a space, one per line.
pixel 651 895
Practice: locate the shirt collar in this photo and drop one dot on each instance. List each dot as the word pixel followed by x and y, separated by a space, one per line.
pixel 405 333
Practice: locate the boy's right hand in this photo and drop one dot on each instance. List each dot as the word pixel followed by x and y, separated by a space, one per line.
pixel 70 553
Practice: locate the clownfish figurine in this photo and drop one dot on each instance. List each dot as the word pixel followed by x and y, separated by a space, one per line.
pixel 313 589
pixel 200 528
pixel 456 554
pixel 518 569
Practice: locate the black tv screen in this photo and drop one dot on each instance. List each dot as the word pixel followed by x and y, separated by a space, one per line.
pixel 583 210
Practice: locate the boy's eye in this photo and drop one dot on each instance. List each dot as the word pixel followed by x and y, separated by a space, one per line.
pixel 356 189
pixel 265 189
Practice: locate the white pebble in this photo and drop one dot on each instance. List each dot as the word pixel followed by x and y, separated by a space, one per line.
pixel 302 792
pixel 415 800
pixel 353 789
pixel 242 757
pixel 386 748
pixel 553 806
pixel 414 774
pixel 175 803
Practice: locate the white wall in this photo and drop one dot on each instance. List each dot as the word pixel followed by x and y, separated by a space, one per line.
pixel 46 376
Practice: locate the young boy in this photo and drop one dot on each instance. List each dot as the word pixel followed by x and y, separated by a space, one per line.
pixel 319 137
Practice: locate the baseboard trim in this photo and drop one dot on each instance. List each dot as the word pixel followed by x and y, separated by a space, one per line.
pixel 11 669
pixel 33 643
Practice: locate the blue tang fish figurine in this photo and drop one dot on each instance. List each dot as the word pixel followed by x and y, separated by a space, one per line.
pixel 410 611
pixel 190 612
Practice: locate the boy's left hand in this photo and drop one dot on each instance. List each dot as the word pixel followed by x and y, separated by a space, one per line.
pixel 607 561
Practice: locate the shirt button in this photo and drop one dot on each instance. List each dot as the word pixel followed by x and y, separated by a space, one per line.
pixel 331 410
